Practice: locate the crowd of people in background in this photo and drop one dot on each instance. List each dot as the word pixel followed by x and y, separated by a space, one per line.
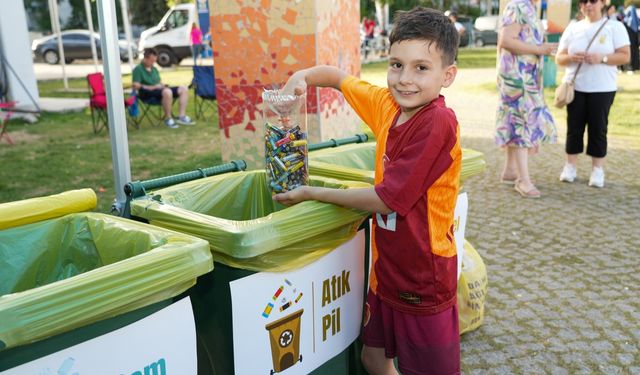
pixel 374 38
pixel 631 17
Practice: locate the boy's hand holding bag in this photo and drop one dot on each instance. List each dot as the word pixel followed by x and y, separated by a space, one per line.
pixel 565 92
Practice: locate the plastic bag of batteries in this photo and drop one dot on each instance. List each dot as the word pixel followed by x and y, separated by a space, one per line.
pixel 285 140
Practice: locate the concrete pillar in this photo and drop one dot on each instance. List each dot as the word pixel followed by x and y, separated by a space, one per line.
pixel 258 44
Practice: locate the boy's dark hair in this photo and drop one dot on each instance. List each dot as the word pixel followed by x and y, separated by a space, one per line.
pixel 429 25
pixel 150 52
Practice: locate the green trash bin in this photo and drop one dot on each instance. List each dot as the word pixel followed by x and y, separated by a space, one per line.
pixel 550 69
pixel 70 277
pixel 252 237
pixel 356 162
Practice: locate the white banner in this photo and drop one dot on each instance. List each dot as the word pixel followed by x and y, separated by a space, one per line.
pixel 459 223
pixel 298 320
pixel 162 343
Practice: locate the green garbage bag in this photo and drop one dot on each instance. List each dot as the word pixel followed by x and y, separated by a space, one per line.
pixel 356 162
pixel 245 228
pixel 67 272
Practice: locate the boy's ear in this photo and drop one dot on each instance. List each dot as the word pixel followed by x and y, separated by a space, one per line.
pixel 449 75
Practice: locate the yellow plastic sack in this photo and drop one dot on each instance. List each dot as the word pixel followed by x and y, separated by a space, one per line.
pixel 472 290
pixel 356 162
pixel 32 210
pixel 67 272
pixel 245 228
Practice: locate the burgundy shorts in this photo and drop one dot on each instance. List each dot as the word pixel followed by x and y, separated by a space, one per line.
pixel 424 344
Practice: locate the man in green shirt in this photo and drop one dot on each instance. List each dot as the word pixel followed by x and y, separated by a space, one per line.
pixel 146 80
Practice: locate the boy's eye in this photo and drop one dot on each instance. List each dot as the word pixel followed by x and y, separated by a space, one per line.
pixel 396 65
pixel 422 67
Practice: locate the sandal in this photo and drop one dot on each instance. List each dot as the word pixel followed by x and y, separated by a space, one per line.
pixel 531 193
pixel 507 181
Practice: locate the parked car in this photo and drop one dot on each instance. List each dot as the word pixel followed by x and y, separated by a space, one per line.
pixel 485 30
pixel 76 45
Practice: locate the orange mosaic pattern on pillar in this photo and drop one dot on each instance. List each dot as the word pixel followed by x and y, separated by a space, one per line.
pixel 258 44
pixel 256 47
pixel 338 25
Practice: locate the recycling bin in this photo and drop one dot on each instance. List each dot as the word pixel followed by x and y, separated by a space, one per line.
pixel 284 337
pixel 252 237
pixel 68 277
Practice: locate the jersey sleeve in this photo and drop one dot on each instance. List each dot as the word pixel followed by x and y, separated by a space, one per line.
pixel 424 159
pixel 369 101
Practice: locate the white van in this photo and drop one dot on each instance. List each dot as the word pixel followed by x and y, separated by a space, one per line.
pixel 171 37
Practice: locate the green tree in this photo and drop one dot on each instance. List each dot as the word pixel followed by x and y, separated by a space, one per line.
pixel 38 15
pixel 147 12
pixel 78 19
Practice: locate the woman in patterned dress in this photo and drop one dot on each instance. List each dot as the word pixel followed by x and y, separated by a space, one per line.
pixel 523 120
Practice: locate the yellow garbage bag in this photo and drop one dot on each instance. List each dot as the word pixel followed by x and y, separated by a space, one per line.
pixel 472 289
pixel 32 210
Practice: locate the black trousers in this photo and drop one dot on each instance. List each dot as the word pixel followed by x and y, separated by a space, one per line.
pixel 634 63
pixel 588 110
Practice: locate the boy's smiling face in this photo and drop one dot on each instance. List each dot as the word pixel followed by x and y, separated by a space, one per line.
pixel 416 74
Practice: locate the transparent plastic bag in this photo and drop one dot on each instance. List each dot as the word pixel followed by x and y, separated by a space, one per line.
pixel 285 129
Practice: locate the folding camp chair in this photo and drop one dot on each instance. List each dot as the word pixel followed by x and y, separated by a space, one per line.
pixel 98 103
pixel 150 108
pixel 204 89
pixel 4 120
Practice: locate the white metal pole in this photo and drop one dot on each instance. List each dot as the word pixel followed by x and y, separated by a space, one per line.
pixel 115 98
pixel 124 7
pixel 55 24
pixel 386 17
pixel 92 39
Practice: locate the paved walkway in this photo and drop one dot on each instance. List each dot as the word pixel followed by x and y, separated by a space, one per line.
pixel 564 270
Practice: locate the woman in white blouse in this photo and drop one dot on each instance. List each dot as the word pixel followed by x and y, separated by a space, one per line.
pixel 595 84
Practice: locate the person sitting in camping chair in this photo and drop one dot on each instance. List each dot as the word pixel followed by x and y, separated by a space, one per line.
pixel 151 90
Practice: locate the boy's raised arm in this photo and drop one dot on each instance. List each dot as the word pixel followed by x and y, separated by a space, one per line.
pixel 319 76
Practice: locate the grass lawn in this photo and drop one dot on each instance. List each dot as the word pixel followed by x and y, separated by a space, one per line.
pixel 60 152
